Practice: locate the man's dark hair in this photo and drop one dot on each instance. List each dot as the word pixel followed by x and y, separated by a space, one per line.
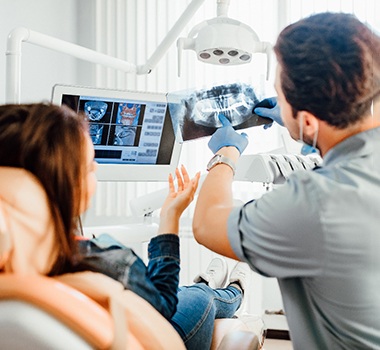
pixel 330 67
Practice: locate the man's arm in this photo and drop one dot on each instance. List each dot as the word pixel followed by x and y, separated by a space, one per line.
pixel 214 205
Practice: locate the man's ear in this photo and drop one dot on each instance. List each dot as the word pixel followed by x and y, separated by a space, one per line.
pixel 310 123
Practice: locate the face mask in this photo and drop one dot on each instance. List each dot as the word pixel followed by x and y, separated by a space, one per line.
pixel 306 148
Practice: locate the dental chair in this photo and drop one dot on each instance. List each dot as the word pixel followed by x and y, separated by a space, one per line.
pixel 38 312
pixel 71 312
pixel 86 310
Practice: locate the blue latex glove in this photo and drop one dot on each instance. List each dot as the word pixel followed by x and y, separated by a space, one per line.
pixel 227 136
pixel 268 108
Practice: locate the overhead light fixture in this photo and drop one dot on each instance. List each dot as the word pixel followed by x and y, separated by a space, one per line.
pixel 223 41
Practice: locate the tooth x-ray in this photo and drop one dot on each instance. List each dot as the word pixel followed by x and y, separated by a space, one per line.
pixel 195 112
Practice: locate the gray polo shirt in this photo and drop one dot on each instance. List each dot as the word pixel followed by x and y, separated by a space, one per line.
pixel 319 235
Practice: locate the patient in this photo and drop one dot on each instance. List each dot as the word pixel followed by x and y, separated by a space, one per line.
pixel 53 144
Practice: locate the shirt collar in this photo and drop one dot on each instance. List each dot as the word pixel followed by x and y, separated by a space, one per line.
pixel 358 145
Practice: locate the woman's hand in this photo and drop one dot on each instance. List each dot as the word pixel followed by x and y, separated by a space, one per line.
pixel 177 200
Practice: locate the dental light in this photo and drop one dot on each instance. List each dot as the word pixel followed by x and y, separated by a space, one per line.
pixel 223 41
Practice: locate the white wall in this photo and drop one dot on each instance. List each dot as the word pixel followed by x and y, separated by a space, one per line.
pixel 42 68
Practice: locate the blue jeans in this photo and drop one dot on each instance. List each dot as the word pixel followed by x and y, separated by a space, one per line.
pixel 198 307
pixel 191 310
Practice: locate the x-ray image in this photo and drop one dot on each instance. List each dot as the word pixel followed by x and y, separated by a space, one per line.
pixel 95 110
pixel 128 114
pixel 96 133
pixel 125 135
pixel 195 112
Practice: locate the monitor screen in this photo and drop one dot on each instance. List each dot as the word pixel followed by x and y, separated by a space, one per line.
pixel 132 132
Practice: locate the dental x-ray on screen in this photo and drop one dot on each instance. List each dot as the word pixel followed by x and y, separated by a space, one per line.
pixel 132 132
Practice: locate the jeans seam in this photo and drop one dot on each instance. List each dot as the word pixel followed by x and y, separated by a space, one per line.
pixel 231 301
pixel 165 257
pixel 200 323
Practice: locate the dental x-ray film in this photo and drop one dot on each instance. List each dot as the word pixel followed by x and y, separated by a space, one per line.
pixel 195 113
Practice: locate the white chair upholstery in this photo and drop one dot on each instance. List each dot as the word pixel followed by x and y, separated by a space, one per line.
pixel 26 326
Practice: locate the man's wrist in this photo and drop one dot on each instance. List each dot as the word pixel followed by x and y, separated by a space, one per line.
pixel 219 159
pixel 230 152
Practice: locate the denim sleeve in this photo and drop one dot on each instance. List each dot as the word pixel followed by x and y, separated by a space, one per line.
pixel 163 269
pixel 157 283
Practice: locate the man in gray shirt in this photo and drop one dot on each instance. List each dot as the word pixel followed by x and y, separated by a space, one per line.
pixel 319 233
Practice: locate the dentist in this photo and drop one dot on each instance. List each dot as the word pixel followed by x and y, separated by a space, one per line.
pixel 318 234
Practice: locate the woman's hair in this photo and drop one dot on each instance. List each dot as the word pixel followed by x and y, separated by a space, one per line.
pixel 49 142
pixel 330 67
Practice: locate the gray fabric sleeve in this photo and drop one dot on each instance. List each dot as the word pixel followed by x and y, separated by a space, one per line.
pixel 280 234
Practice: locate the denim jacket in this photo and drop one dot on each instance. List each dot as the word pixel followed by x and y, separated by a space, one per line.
pixel 157 282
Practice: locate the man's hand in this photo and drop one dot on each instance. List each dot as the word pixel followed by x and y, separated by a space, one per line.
pixel 269 108
pixel 227 136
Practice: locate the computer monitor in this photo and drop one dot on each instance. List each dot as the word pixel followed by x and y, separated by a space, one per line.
pixel 132 132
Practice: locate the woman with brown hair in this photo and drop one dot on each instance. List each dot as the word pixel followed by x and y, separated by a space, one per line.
pixel 50 146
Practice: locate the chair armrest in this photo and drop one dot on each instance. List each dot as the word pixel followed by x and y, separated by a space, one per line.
pixel 240 340
pixel 248 329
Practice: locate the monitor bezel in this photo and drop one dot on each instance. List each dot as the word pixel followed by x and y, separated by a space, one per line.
pixel 124 172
